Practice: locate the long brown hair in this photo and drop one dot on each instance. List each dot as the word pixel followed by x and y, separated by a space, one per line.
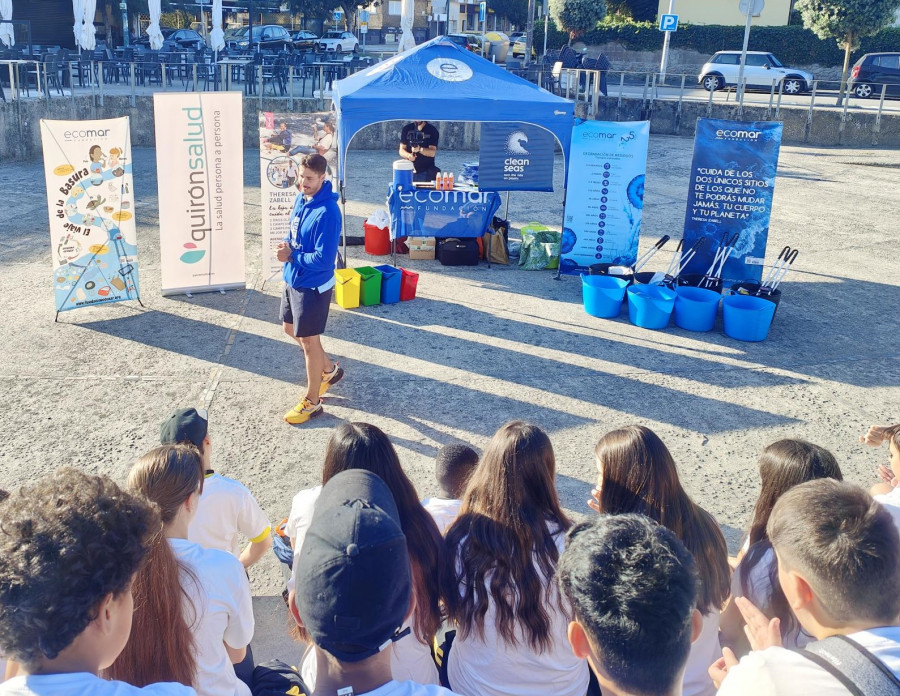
pixel 782 465
pixel 638 474
pixel 502 544
pixel 161 647
pixel 363 446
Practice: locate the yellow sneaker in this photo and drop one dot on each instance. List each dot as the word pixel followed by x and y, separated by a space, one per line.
pixel 303 411
pixel 331 378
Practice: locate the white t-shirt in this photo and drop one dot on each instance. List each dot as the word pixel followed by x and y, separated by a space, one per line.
pixel 84 684
pixel 704 651
pixel 491 667
pixel 410 658
pixel 759 591
pixel 443 510
pixel 227 508
pixel 891 502
pixel 782 672
pixel 408 688
pixel 221 610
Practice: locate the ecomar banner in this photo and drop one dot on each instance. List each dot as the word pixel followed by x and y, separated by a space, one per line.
pixel 90 198
pixel 199 169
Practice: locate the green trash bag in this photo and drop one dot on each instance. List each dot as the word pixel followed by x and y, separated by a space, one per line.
pixel 540 247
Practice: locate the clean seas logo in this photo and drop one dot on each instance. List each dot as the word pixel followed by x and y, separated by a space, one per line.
pixel 193 254
pixel 515 143
pixel 449 69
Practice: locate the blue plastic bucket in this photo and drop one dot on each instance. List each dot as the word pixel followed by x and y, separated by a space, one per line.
pixel 747 318
pixel 390 284
pixel 403 175
pixel 650 306
pixel 603 295
pixel 696 308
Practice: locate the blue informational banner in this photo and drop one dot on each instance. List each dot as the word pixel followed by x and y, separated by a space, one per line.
pixel 515 157
pixel 731 186
pixel 605 196
pixel 428 213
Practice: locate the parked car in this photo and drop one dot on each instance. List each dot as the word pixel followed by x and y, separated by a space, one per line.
pixel 266 37
pixel 232 35
pixel 468 41
pixel 518 47
pixel 874 70
pixel 760 70
pixel 304 39
pixel 176 40
pixel 338 42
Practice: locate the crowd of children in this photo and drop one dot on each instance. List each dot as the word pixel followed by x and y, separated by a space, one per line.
pixel 487 590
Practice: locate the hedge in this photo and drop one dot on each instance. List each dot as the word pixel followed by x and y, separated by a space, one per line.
pixel 792 45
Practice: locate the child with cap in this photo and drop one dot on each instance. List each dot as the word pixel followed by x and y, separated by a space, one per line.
pixel 70 545
pixel 227 507
pixel 452 467
pixel 354 588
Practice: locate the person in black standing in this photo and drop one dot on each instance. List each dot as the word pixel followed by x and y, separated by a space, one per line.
pixel 418 144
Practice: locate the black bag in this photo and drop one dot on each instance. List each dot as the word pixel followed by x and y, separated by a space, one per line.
pixel 861 673
pixel 275 678
pixel 452 251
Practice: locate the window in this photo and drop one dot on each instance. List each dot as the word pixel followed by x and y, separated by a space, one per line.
pixel 394 7
pixel 756 61
pixel 727 59
pixel 892 62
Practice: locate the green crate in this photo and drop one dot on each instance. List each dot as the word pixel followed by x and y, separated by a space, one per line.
pixel 370 289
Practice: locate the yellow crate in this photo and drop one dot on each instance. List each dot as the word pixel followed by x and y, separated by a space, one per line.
pixel 346 287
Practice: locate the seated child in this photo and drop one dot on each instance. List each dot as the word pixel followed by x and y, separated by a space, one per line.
pixel 888 491
pixel 452 467
pixel 70 545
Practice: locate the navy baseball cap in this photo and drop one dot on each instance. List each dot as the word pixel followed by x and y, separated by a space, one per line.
pixel 353 577
pixel 185 425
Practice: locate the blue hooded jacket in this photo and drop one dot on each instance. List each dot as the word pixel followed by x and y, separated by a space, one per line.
pixel 314 235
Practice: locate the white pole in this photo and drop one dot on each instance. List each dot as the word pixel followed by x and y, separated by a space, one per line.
pixel 546 23
pixel 740 84
pixel 664 61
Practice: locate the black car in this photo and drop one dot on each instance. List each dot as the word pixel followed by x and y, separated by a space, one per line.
pixel 874 70
pixel 304 39
pixel 266 37
pixel 176 40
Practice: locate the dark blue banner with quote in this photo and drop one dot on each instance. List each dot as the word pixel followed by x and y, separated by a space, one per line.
pixel 515 157
pixel 731 187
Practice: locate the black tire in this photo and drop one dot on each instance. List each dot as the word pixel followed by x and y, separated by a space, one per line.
pixel 793 85
pixel 712 82
pixel 863 90
pixel 356 48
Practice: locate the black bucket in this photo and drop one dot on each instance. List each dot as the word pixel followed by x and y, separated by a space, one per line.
pixel 644 278
pixel 694 280
pixel 603 269
pixel 751 288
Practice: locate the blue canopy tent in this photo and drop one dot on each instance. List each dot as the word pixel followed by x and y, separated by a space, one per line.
pixel 441 81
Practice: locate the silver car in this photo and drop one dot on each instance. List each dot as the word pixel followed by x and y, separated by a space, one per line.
pixel 760 71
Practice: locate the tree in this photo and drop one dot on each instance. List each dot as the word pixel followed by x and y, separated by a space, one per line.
pixel 641 10
pixel 846 21
pixel 516 11
pixel 577 16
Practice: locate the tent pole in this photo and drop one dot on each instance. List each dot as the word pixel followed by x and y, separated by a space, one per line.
pixel 565 191
pixel 344 225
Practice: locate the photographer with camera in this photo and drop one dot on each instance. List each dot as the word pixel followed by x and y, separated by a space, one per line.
pixel 418 144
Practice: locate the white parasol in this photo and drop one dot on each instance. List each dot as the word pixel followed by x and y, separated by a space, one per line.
pixel 88 42
pixel 217 36
pixel 78 12
pixel 407 12
pixel 7 34
pixel 153 31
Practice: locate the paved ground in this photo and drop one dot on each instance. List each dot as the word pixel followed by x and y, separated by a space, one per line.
pixel 478 347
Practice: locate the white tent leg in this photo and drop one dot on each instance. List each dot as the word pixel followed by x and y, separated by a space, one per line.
pixel 343 259
pixel 559 267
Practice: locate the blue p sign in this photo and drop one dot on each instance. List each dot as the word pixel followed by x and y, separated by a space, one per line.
pixel 668 22
pixel 482 11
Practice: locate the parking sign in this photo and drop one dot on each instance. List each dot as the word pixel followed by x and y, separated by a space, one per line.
pixel 668 22
pixel 482 11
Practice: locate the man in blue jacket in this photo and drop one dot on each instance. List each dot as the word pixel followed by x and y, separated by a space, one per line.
pixel 308 254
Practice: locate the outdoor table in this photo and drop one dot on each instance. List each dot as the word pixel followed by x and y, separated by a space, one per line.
pixel 14 67
pixel 234 65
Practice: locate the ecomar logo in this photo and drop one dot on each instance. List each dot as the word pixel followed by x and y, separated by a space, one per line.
pixel 449 69
pixel 730 134
pixel 87 134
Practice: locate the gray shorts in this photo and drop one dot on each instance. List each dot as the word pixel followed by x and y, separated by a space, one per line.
pixel 306 309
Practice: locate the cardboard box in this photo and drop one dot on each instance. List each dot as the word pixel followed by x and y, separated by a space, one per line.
pixel 421 248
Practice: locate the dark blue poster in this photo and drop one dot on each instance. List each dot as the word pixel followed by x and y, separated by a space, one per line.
pixel 515 157
pixel 732 181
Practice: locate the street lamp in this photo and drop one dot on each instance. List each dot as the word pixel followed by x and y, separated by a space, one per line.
pixel 124 7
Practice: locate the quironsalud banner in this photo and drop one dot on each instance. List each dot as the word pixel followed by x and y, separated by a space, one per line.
pixel 731 186
pixel 90 197
pixel 200 175
pixel 284 139
pixel 605 195
pixel 515 157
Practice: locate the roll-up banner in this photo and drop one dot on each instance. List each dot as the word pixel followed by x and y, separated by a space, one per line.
pixel 90 198
pixel 515 157
pixel 284 140
pixel 731 187
pixel 605 195
pixel 200 174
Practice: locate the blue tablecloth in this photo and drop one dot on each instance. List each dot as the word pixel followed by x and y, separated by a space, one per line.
pixel 429 213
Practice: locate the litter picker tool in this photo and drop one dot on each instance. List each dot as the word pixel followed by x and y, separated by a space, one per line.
pixel 660 276
pixel 779 262
pixel 686 259
pixel 782 272
pixel 726 252
pixel 647 255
